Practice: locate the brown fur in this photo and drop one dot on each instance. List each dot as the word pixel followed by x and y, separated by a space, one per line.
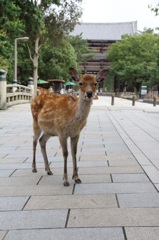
pixel 63 116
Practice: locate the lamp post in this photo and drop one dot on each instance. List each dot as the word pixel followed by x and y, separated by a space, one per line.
pixel 15 54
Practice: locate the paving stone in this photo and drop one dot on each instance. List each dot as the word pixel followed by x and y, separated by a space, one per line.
pixel 152 172
pixel 100 178
pixel 93 151
pixel 157 186
pixel 96 178
pixel 2 234
pixel 122 162
pixel 93 158
pixel 133 148
pixel 129 177
pixel 40 172
pixel 102 170
pixel 116 156
pixel 12 203
pixel 82 171
pixel 6 173
pixel 65 234
pixel 109 130
pixel 3 155
pixel 92 145
pixel 13 160
pixel 52 159
pixel 142 233
pixel 114 217
pixel 116 147
pixel 6 166
pixel 138 200
pixel 142 159
pixel 17 181
pixel 98 163
pixel 37 190
pixel 33 219
pixel 101 188
pixel 71 202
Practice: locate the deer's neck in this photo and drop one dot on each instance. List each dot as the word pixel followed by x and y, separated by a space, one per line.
pixel 83 109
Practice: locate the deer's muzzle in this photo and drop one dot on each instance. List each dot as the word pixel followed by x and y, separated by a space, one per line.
pixel 89 94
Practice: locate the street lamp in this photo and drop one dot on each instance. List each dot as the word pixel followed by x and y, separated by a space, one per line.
pixel 15 54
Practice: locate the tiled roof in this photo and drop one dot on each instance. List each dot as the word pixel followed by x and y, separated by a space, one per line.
pixel 104 31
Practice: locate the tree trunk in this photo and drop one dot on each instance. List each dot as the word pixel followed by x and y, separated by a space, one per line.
pixel 35 65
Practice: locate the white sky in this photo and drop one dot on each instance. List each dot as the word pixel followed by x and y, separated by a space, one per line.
pixel 108 11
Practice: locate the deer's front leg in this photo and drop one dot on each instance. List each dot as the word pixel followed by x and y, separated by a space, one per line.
pixel 74 141
pixel 43 140
pixel 63 142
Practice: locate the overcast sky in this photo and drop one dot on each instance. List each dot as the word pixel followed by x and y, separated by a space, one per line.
pixel 108 11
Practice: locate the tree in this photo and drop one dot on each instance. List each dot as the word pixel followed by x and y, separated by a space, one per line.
pixel 154 9
pixel 133 58
pixel 11 27
pixel 3 50
pixel 83 53
pixel 43 21
pixel 47 21
pixel 54 62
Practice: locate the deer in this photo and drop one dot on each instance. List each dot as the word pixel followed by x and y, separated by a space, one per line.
pixel 63 116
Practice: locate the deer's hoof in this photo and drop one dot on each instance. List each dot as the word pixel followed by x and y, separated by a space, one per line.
pixel 66 184
pixel 34 170
pixel 50 173
pixel 78 181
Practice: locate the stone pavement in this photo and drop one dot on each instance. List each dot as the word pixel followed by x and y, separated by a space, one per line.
pixel 118 159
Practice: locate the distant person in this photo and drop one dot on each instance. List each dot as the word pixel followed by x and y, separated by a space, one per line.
pixel 50 89
pixel 62 91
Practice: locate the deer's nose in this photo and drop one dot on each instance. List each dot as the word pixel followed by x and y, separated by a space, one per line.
pixel 89 94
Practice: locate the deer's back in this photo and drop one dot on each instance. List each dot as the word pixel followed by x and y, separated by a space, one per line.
pixel 54 113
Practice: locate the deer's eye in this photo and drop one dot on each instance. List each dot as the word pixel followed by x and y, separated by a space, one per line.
pixel 80 83
pixel 95 84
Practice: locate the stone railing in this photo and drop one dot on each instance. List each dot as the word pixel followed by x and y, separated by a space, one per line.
pixel 13 94
pixel 17 94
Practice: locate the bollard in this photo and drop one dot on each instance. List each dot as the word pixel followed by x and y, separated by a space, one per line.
pixel 133 101
pixel 14 85
pixel 3 94
pixel 31 85
pixel 112 101
pixel 154 101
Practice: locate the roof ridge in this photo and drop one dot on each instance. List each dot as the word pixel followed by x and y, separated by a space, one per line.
pixel 106 23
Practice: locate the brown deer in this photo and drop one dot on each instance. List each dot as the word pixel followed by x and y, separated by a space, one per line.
pixel 63 116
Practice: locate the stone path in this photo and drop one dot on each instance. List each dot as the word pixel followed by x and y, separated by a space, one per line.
pixel 118 160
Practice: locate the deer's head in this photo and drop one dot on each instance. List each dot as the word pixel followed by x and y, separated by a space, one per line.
pixel 87 82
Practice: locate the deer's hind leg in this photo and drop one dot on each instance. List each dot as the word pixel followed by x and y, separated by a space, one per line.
pixel 37 133
pixel 43 140
pixel 74 142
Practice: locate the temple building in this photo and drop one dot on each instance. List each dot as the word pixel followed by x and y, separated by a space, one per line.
pixel 99 37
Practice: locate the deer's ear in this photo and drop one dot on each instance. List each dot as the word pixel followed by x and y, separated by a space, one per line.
pixel 74 74
pixel 101 75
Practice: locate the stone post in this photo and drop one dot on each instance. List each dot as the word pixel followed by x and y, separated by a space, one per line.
pixel 154 101
pixel 3 99
pixel 14 85
pixel 31 85
pixel 112 99
pixel 133 100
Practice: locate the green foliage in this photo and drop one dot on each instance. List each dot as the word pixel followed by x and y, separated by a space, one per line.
pixel 54 62
pixel 134 58
pixel 9 19
pixel 81 48
pixel 11 27
pixel 47 20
